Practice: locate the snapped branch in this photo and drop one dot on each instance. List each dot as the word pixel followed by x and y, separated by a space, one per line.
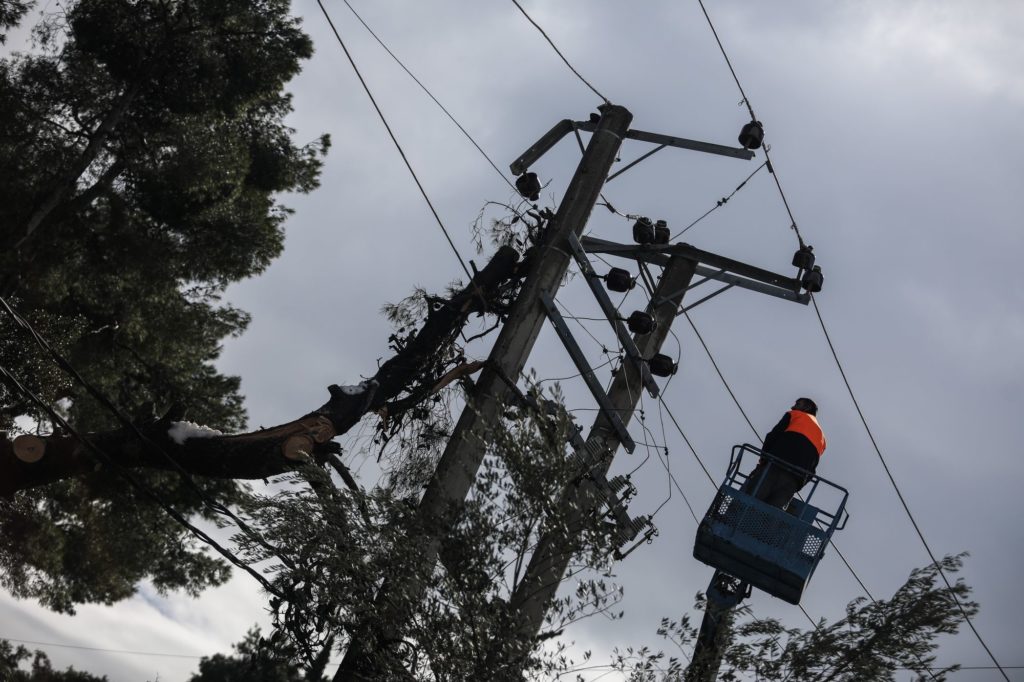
pixel 32 461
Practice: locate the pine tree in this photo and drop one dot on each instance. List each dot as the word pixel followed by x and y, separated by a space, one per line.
pixel 142 151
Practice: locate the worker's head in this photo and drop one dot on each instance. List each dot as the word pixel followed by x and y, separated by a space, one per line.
pixel 805 405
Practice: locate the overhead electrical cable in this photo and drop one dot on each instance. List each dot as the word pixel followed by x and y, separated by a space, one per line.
pixel 558 52
pixel 896 487
pixel 722 376
pixel 394 139
pixel 753 117
pixel 431 96
pixel 668 468
pixel 679 428
pixel 842 372
pixel 720 203
pixel 104 650
pixel 832 542
pixel 110 651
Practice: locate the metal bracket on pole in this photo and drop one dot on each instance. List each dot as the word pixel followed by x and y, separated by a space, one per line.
pixel 585 371
pixel 725 270
pixel 594 280
pixel 648 278
pixel 671 141
pixel 566 126
pixel 706 298
pixel 626 528
pixel 541 147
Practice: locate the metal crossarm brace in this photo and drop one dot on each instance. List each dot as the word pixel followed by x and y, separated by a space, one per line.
pixel 566 126
pixel 708 297
pixel 541 147
pixel 580 360
pixel 680 142
pixel 625 338
pixel 722 269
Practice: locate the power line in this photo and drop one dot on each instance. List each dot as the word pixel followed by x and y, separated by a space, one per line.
pixel 720 203
pixel 394 139
pixel 108 651
pixel 679 428
pixel 832 543
pixel 96 648
pixel 558 52
pixel 668 468
pixel 899 493
pixel 849 389
pixel 722 376
pixel 753 117
pixel 431 95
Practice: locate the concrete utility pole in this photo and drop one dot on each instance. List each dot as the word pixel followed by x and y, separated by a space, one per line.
pixel 456 471
pixel 533 595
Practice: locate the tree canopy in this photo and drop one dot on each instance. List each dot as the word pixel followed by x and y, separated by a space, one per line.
pixel 255 661
pixel 143 148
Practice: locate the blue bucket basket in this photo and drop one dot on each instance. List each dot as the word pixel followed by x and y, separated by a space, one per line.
pixel 774 550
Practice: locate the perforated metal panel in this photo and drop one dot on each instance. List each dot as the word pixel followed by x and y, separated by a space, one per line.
pixel 767 547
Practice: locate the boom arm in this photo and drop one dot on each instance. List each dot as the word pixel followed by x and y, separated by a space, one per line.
pixel 724 594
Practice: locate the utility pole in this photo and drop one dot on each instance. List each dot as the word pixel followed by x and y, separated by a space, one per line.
pixel 533 595
pixel 456 471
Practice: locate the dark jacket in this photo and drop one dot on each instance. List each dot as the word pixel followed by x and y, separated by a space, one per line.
pixel 790 446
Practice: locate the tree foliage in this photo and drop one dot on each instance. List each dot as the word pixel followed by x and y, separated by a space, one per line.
pixel 873 641
pixel 255 661
pixel 143 146
pixel 343 546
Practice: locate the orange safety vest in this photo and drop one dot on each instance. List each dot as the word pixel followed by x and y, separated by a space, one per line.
pixel 807 426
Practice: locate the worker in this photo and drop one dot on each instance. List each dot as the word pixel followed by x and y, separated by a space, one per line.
pixel 797 441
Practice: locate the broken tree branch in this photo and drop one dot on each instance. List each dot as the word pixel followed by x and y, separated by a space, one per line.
pixel 266 452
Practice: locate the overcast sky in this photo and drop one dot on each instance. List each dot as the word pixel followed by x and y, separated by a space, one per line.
pixel 895 130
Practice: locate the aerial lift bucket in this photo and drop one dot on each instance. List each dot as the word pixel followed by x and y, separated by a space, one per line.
pixel 772 549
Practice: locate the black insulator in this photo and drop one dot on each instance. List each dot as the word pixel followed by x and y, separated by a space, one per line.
pixel 620 280
pixel 529 186
pixel 752 135
pixel 662 366
pixel 804 257
pixel 640 322
pixel 661 232
pixel 643 231
pixel 813 279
